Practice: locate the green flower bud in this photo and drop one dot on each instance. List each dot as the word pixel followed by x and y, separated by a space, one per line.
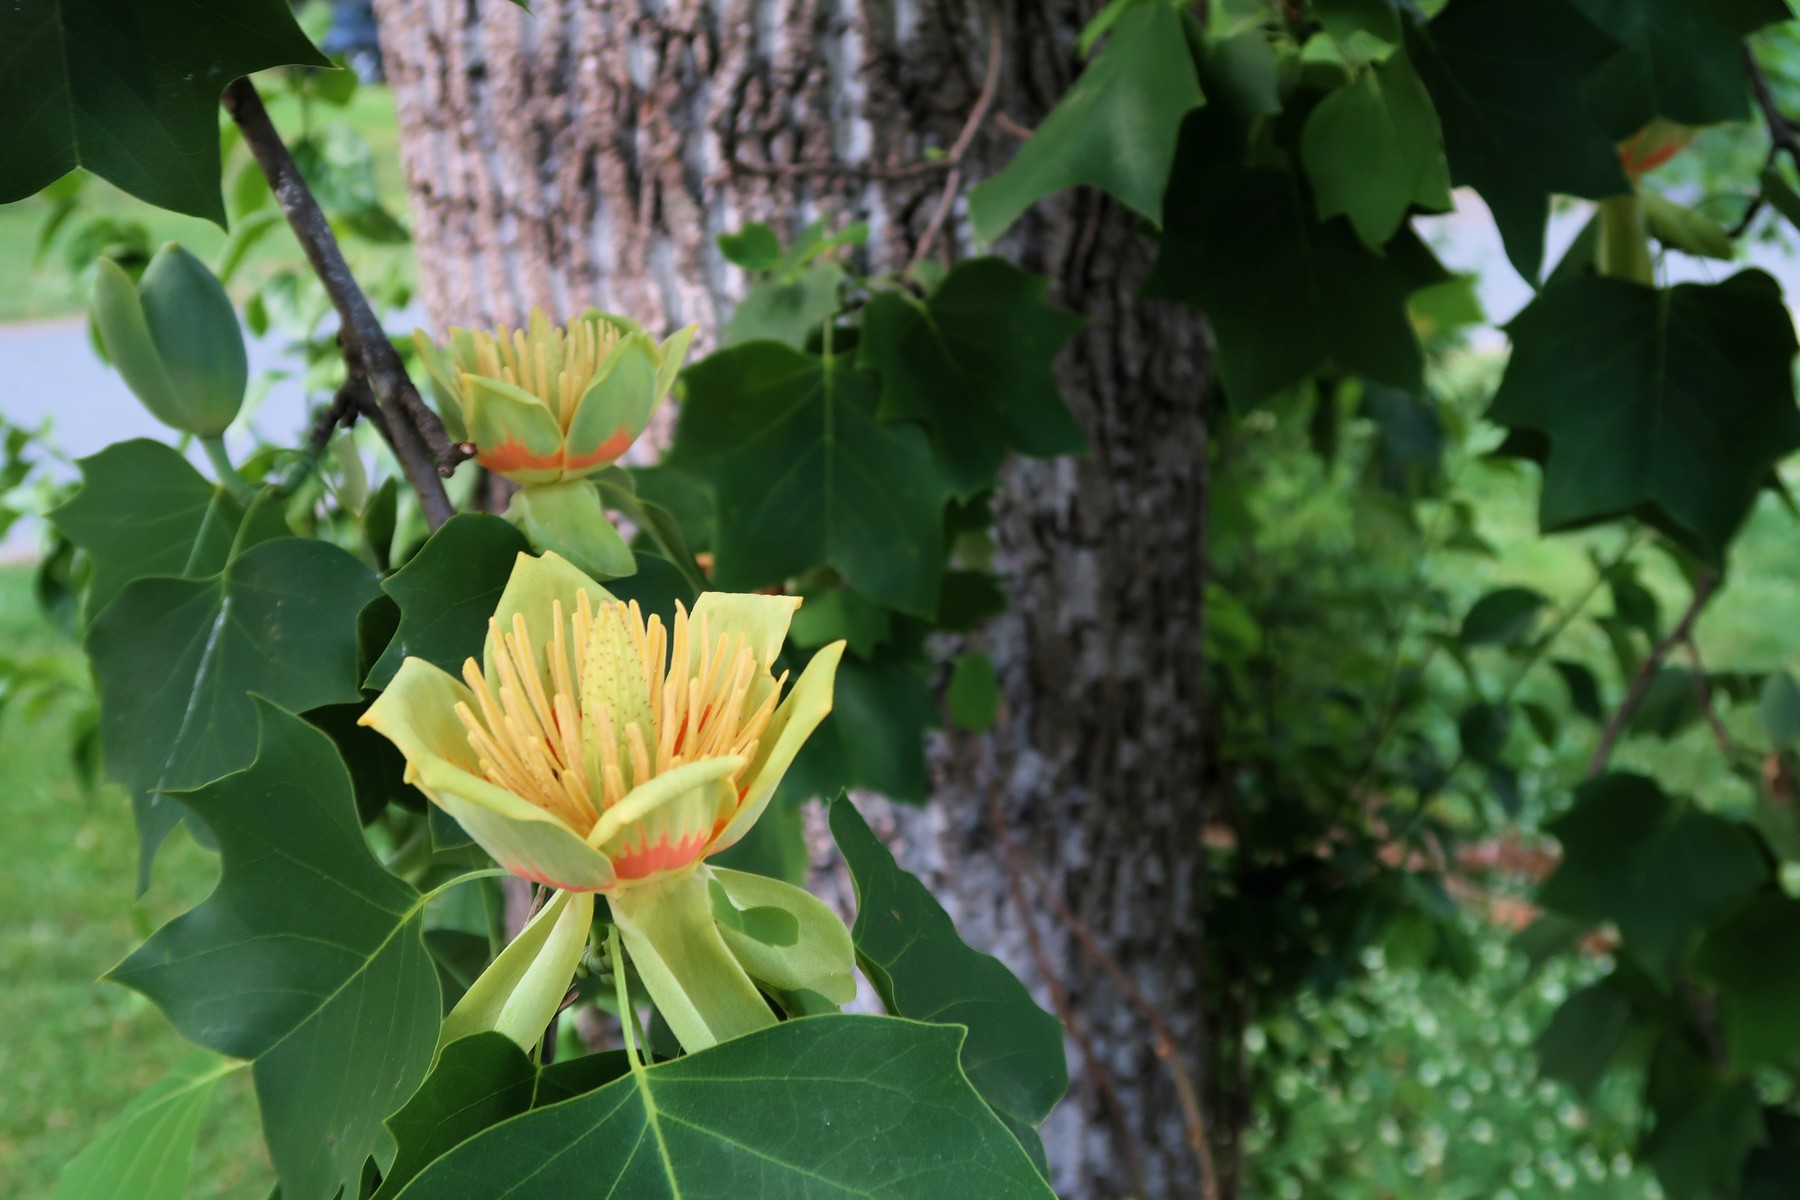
pixel 175 339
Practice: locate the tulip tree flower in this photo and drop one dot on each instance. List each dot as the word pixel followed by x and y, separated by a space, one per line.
pixel 174 337
pixel 593 751
pixel 548 408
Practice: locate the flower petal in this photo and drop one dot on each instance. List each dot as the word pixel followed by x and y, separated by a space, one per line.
pixel 647 797
pixel 614 409
pixel 442 373
pixel 522 989
pixel 819 959
pixel 517 435
pixel 533 590
pixel 566 517
pixel 794 721
pixel 671 352
pixel 523 838
pixel 696 982
pixel 763 620
pixel 417 713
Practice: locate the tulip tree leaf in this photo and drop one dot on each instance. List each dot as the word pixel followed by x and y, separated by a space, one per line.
pixel 833 1105
pixel 785 310
pixel 477 1082
pixel 874 738
pixel 1753 958
pixel 1503 616
pixel 1670 404
pixel 1706 1123
pixel 972 361
pixel 1585 1035
pixel 909 948
pixel 145 1151
pixel 1115 129
pixel 144 510
pixel 805 476
pixel 1506 78
pixel 1682 60
pixel 1372 150
pixel 130 89
pixel 308 959
pixel 1286 296
pixel 177 660
pixel 1653 864
pixel 447 592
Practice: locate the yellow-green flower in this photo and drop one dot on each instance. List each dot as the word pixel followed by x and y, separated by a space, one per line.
pixel 543 403
pixel 593 750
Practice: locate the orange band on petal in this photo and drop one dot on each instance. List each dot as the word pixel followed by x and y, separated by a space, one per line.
pixel 607 452
pixel 514 455
pixel 645 861
pixel 1637 166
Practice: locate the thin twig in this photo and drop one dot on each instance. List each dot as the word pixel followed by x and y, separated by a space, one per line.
pixel 1092 1067
pixel 1703 691
pixel 1162 1037
pixel 990 87
pixel 1010 127
pixel 1646 673
pixel 353 400
pixel 832 169
pixel 1782 138
pixel 425 451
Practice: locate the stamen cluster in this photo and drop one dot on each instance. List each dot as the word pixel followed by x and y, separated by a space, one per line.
pixel 574 722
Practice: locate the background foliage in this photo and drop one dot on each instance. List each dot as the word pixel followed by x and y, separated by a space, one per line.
pixel 1503 837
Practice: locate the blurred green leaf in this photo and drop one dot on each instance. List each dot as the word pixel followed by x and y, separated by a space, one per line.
pixel 973 696
pixel 1678 59
pixel 1373 149
pixel 972 361
pixel 1502 617
pixel 1506 78
pixel 1753 958
pixel 1666 404
pixel 1779 708
pixel 131 91
pixel 785 311
pixel 1141 84
pixel 804 476
pixel 145 1151
pixel 1286 297
pixel 1653 864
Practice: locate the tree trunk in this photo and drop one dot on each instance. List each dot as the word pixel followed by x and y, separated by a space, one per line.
pixel 591 152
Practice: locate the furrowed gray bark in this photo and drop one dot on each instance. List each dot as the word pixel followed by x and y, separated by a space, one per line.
pixel 591 152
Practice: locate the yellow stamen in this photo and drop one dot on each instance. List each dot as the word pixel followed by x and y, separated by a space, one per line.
pixel 555 365
pixel 537 729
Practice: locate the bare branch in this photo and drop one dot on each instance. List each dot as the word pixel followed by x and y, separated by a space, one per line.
pixel 1646 673
pixel 990 87
pixel 425 451
pixel 1010 127
pixel 1095 1070
pixel 1782 135
pixel 1162 1037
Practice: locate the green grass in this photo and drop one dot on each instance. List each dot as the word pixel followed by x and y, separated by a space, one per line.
pixel 44 287
pixel 74 1051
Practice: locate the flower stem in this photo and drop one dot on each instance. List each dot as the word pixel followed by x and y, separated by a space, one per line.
pixel 228 474
pixel 627 1014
